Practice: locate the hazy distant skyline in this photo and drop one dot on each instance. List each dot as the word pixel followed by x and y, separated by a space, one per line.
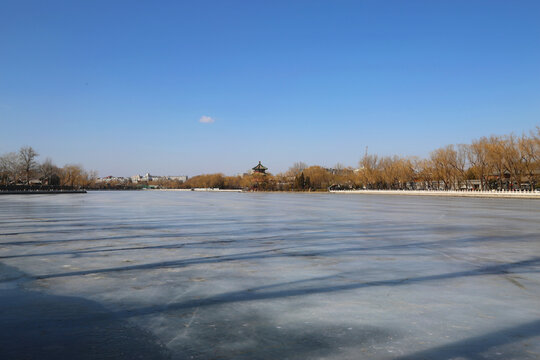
pixel 182 88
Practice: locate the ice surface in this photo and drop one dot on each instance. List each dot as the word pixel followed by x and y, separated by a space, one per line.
pixel 183 275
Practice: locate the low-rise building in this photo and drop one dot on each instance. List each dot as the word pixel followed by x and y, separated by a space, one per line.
pixel 178 178
pixel 148 177
pixel 110 178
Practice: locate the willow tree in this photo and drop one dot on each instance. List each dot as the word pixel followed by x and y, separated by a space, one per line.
pixel 478 159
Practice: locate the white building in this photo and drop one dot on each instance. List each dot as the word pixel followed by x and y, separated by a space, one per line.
pixel 147 177
pixel 108 179
pixel 136 178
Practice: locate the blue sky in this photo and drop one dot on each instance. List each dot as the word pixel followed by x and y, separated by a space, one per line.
pixel 120 86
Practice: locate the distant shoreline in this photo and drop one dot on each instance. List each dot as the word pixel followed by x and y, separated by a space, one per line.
pixel 199 190
pixel 450 193
pixel 439 193
pixel 43 192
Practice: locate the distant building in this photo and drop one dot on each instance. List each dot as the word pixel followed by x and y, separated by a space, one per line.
pixel 109 179
pixel 147 178
pixel 260 169
pixel 178 178
pixel 136 178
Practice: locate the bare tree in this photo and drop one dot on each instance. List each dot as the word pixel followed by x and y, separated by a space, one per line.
pixel 28 164
pixel 339 168
pixel 495 158
pixel 513 159
pixel 406 173
pixel 297 168
pixel 370 175
pixel 75 176
pixel 319 177
pixel 529 148
pixel 458 161
pixel 441 160
pixel 48 169
pixel 424 169
pixel 478 159
pixel 9 168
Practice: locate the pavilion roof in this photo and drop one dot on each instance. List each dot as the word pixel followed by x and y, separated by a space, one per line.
pixel 260 167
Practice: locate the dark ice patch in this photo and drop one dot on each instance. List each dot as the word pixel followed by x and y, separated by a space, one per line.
pixel 40 326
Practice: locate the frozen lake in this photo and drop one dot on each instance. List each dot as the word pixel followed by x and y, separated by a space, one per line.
pixel 184 275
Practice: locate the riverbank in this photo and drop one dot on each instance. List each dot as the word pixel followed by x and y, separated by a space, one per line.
pixel 200 189
pixel 42 192
pixel 451 193
pixel 474 194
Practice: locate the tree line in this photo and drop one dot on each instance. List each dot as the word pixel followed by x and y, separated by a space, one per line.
pixel 506 162
pixel 22 168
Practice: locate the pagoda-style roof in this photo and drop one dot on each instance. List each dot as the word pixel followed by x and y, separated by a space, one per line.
pixel 260 168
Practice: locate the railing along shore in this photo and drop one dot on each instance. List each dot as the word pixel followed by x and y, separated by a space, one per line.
pixel 43 189
pixel 459 193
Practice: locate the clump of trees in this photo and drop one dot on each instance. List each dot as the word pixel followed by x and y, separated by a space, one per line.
pixel 249 181
pixel 390 172
pixel 22 168
pixel 497 162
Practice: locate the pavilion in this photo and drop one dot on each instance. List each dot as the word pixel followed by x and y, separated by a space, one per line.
pixel 259 169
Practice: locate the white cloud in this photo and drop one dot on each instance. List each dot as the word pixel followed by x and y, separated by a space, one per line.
pixel 206 119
